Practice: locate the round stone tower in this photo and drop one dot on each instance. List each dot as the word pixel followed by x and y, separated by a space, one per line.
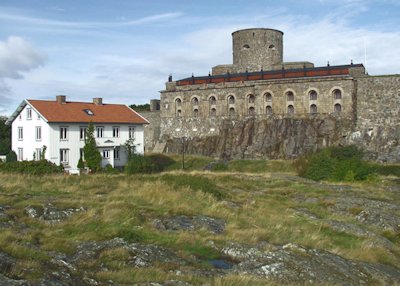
pixel 254 49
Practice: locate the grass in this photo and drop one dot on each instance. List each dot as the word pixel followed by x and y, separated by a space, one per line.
pixel 126 206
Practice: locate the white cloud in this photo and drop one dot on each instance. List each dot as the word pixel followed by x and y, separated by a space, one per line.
pixel 18 56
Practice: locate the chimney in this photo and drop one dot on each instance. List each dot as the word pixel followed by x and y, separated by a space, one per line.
pixel 98 101
pixel 61 99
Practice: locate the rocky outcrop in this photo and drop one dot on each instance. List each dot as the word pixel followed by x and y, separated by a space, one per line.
pixel 50 213
pixel 186 223
pixel 281 138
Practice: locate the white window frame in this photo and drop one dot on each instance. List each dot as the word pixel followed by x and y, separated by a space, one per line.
pixel 63 133
pixel 100 131
pixel 82 133
pixel 20 154
pixel 64 156
pixel 20 133
pixel 116 131
pixel 29 113
pixel 106 154
pixel 131 132
pixel 38 133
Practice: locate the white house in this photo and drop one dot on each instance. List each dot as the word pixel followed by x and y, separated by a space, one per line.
pixel 57 130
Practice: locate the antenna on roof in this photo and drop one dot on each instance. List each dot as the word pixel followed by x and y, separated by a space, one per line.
pixel 365 55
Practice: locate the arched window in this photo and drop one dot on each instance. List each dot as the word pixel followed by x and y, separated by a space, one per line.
pixel 337 94
pixel 178 102
pixel 179 113
pixel 267 97
pixel 268 110
pixel 195 101
pixel 313 95
pixel 251 98
pixel 231 112
pixel 338 107
pixel 252 111
pixel 213 112
pixel 289 96
pixel 195 112
pixel 290 109
pixel 212 100
pixel 313 108
pixel 231 99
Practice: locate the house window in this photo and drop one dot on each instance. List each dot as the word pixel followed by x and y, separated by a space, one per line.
pixel 337 94
pixel 195 112
pixel 38 153
pixel 313 108
pixel 195 101
pixel 106 154
pixel 116 153
pixel 251 98
pixel 99 131
pixel 81 154
pixel 38 133
pixel 115 131
pixel 29 113
pixel 252 111
pixel 290 109
pixel 213 112
pixel 268 110
pixel 20 133
pixel 289 96
pixel 338 107
pixel 178 113
pixel 64 156
pixel 38 116
pixel 20 154
pixel 178 102
pixel 231 99
pixel 82 133
pixel 313 95
pixel 131 132
pixel 268 97
pixel 63 133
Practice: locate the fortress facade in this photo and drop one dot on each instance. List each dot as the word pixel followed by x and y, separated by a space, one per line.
pixel 263 107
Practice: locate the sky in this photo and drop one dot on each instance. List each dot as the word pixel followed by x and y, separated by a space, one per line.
pixel 124 50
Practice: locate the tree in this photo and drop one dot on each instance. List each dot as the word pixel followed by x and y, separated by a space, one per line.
pixel 92 155
pixel 5 136
pixel 130 147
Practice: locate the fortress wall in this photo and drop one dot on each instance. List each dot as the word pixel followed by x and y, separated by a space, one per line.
pixel 152 130
pixel 378 117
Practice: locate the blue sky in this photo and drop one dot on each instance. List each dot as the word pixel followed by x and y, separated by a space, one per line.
pixel 124 50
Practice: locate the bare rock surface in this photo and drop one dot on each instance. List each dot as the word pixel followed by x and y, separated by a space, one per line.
pixel 294 264
pixel 50 213
pixel 186 223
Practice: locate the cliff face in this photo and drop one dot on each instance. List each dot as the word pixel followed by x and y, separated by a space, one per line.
pixel 285 138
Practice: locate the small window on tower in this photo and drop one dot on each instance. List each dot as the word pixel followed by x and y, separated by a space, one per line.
pixel 272 47
pixel 246 47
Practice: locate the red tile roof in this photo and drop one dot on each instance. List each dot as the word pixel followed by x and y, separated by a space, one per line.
pixel 53 111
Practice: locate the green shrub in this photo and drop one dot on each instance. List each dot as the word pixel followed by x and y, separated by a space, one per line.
pixel 140 164
pixel 160 161
pixel 110 170
pixel 41 167
pixel 336 164
pixel 11 157
pixel 387 169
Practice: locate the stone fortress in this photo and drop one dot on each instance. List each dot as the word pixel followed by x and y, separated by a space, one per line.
pixel 263 107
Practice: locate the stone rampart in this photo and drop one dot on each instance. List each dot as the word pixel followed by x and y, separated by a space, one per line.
pixel 377 127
